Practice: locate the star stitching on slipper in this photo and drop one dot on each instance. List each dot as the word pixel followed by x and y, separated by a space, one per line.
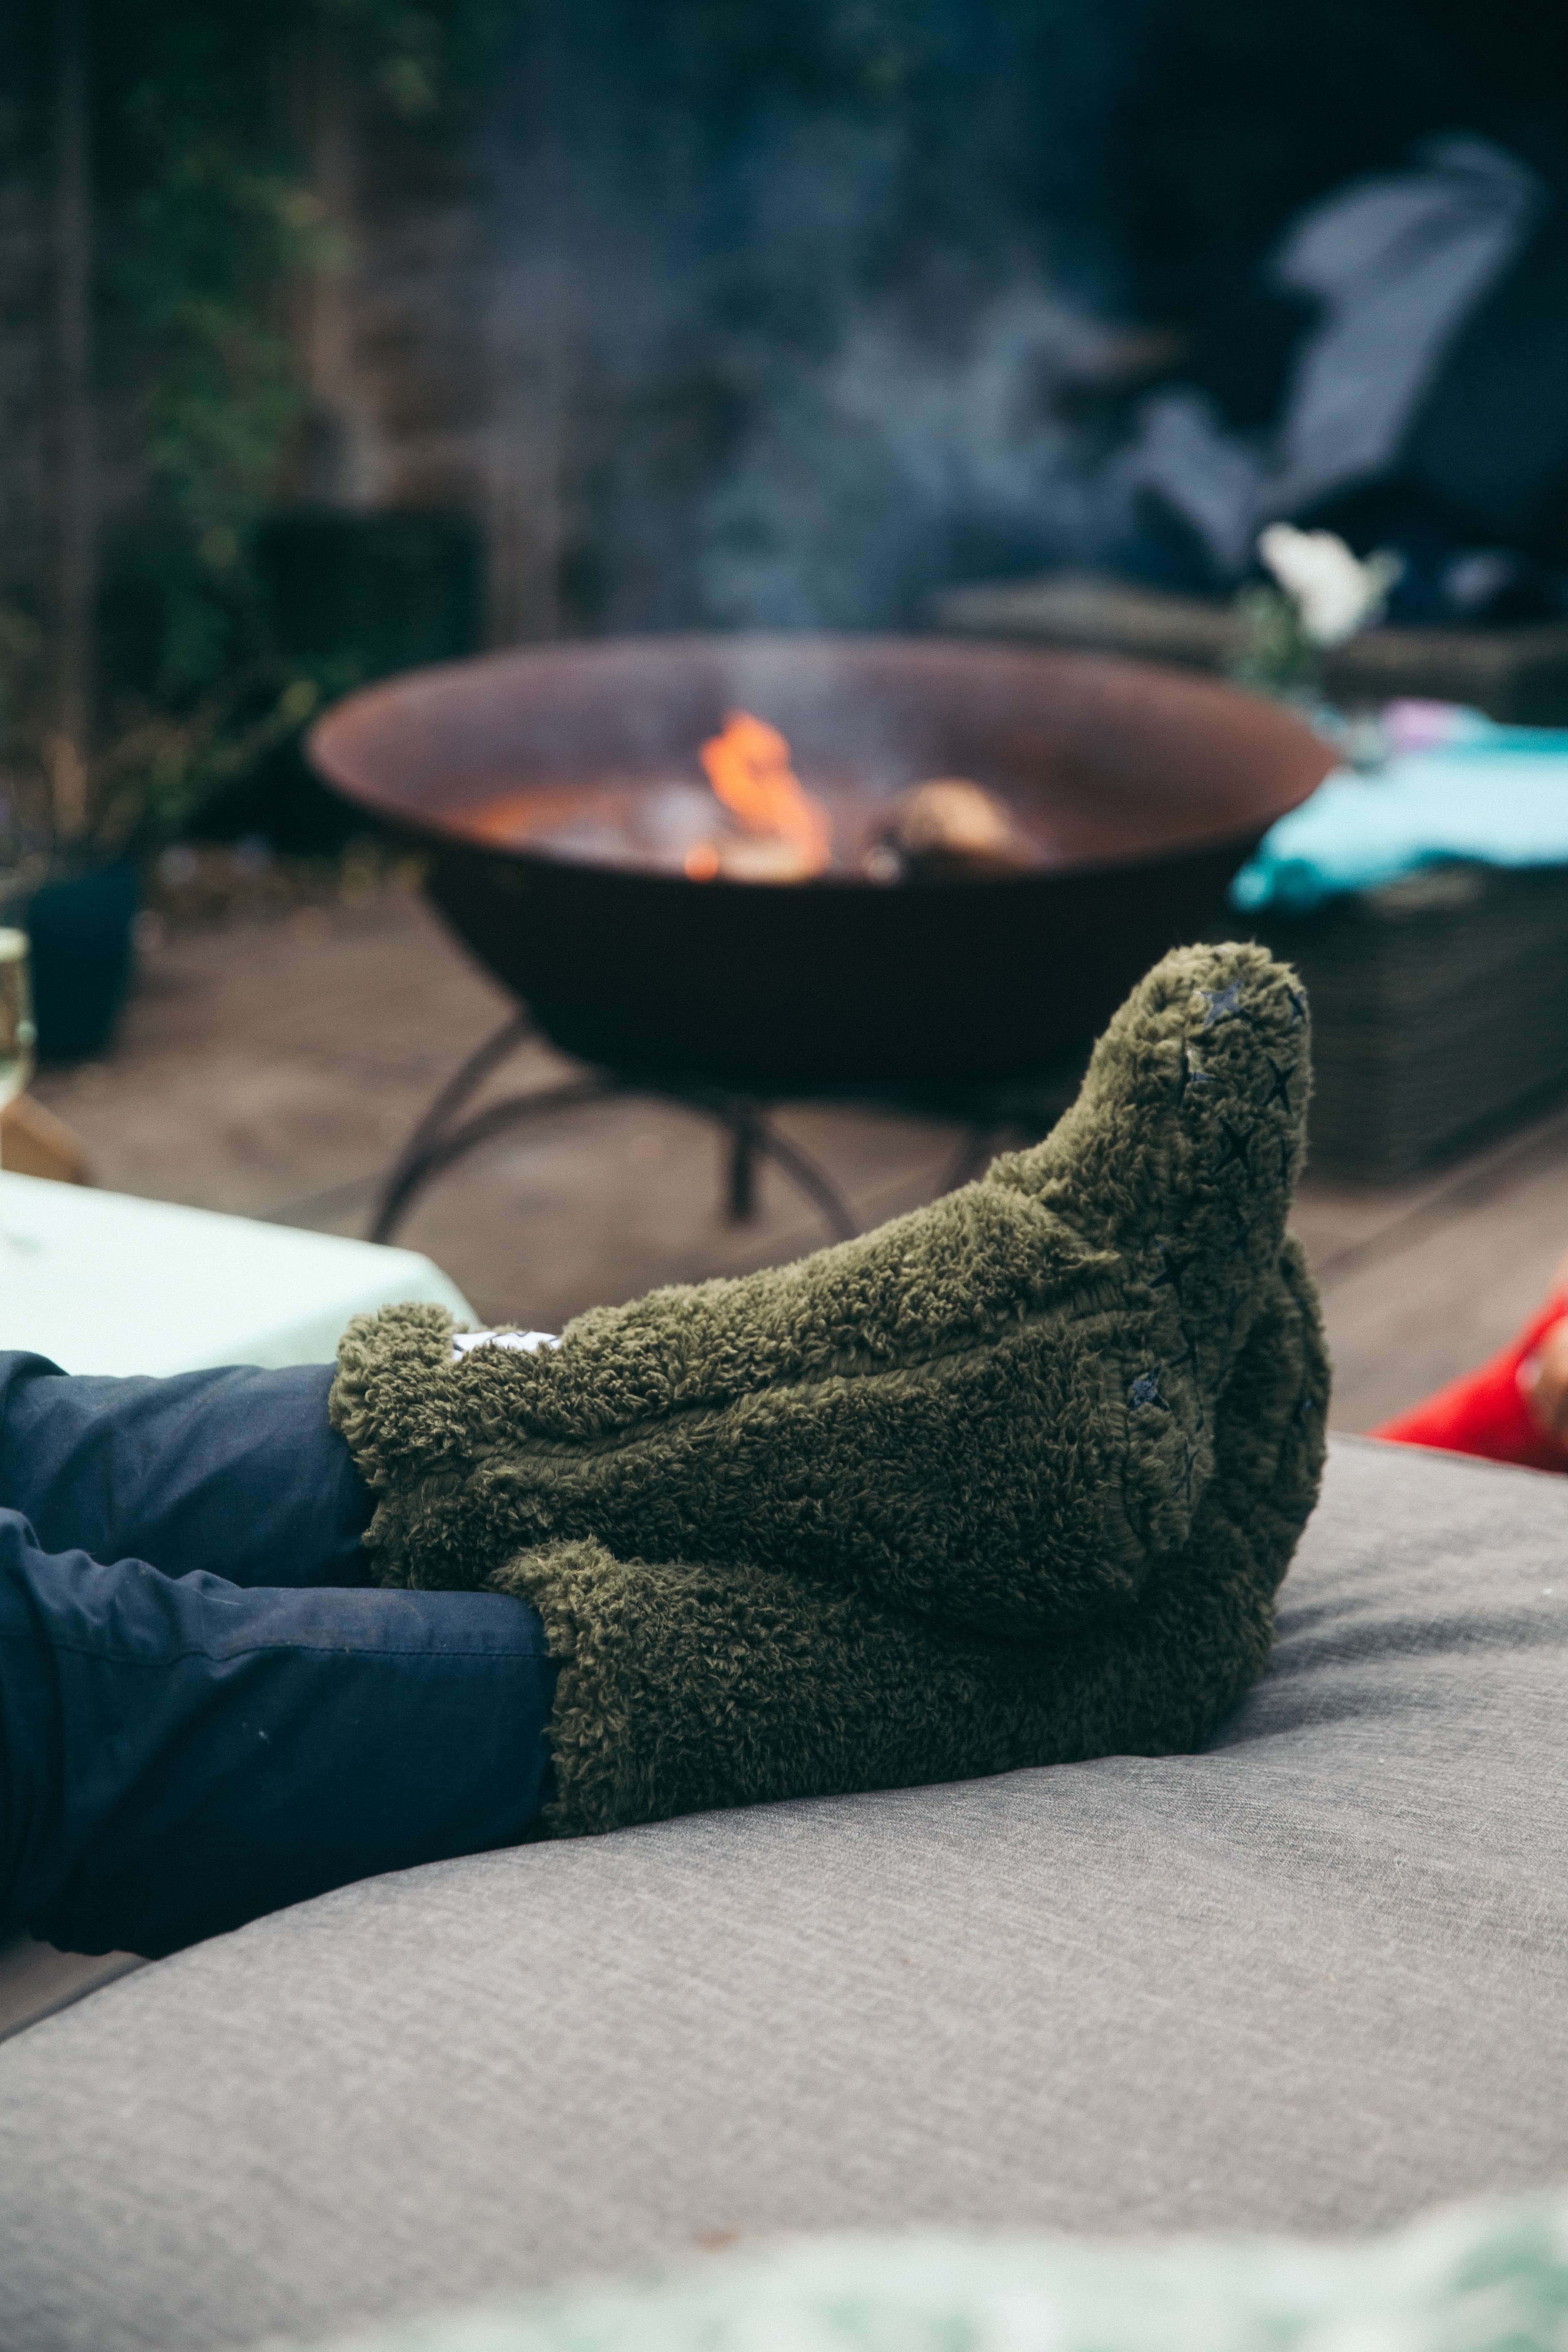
pixel 1192 1074
pixel 1279 1083
pixel 1237 1141
pixel 1220 1000
pixel 1168 1276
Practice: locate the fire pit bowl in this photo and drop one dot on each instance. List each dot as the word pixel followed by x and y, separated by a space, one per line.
pixel 1144 789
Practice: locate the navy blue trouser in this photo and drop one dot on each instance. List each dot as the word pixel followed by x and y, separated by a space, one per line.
pixel 205 1709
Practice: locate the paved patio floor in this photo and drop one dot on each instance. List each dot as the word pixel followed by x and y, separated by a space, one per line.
pixel 273 1067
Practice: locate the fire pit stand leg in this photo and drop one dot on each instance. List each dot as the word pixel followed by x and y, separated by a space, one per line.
pixel 415 1169
pixel 741 1205
pixel 809 1179
pixel 440 1138
pixel 975 1152
pixel 407 1170
pixel 753 1139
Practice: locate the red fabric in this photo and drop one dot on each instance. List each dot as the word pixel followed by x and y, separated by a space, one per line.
pixel 1485 1413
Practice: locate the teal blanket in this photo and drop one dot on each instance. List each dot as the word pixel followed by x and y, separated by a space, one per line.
pixel 1495 795
pixel 1488 2278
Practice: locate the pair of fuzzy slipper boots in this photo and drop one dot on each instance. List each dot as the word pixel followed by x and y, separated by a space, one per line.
pixel 1011 1481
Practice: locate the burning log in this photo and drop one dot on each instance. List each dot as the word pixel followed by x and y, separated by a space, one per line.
pixel 757 823
pixel 948 827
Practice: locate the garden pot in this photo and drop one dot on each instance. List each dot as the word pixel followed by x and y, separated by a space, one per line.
pixel 82 929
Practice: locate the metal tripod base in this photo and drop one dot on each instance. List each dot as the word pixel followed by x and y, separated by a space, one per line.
pixel 441 1137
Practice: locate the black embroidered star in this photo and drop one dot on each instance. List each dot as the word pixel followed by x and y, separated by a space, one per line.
pixel 1298 1004
pixel 1279 1086
pixel 1220 1002
pixel 1168 1276
pixel 1145 1389
pixel 1236 1139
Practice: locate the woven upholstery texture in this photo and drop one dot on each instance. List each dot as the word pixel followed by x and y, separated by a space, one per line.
pixel 1307 1979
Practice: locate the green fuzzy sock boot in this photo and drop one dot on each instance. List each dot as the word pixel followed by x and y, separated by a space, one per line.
pixel 1012 1479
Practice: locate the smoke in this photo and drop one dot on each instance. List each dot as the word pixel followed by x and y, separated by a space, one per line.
pixel 781 350
pixel 897 464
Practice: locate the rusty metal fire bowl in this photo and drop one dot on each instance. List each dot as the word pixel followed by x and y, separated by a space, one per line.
pixel 1142 789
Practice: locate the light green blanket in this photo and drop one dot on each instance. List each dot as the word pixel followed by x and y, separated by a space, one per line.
pixel 1483 2278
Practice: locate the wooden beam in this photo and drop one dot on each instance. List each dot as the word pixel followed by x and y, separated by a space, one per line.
pixel 77 542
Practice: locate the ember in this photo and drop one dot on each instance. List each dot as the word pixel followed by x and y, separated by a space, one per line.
pixel 786 835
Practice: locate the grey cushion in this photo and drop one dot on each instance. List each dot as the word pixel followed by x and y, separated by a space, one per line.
pixel 1312 1980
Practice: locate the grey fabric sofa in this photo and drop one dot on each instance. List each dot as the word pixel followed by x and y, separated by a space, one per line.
pixel 1312 1979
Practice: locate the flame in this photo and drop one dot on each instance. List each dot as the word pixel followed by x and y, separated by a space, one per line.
pixel 749 768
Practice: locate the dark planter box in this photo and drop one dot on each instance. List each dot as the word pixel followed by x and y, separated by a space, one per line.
pixel 83 935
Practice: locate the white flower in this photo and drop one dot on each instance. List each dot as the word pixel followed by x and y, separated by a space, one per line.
pixel 1333 591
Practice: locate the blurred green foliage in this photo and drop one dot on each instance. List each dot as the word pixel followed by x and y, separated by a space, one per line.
pixel 205 221
pixel 207 215
pixel 1274 655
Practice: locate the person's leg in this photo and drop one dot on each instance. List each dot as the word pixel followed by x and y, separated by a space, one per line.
pixel 236 1472
pixel 178 1756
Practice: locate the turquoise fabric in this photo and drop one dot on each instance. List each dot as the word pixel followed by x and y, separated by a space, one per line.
pixel 1489 2278
pixel 1495 795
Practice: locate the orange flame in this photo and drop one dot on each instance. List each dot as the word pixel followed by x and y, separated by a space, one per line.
pixel 749 768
